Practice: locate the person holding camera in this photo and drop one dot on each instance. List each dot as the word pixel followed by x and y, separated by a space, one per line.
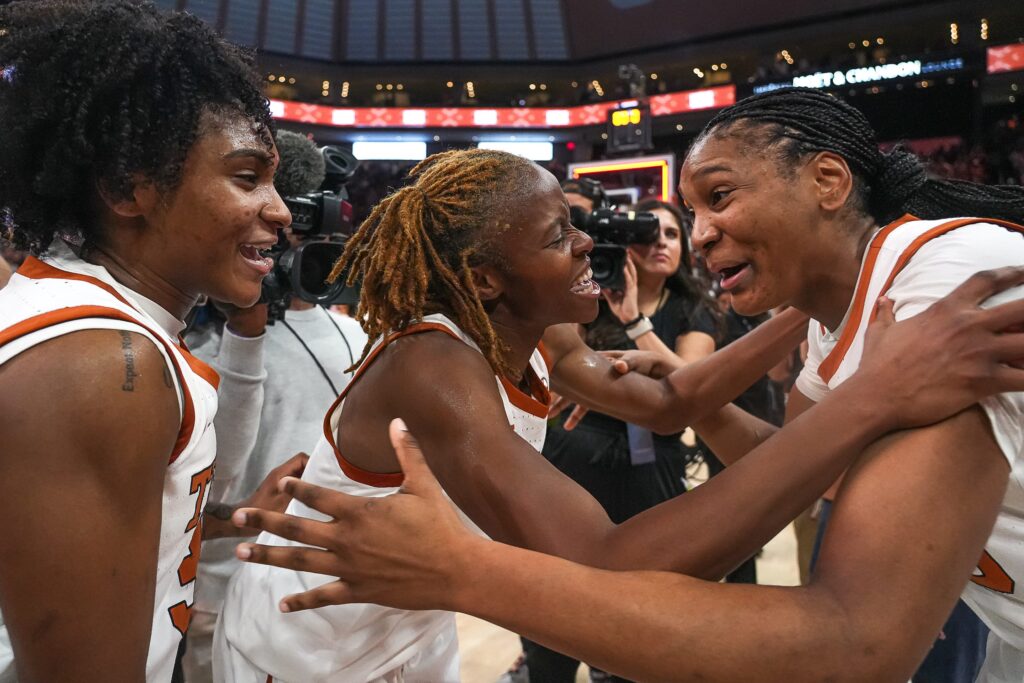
pixel 277 381
pixel 661 308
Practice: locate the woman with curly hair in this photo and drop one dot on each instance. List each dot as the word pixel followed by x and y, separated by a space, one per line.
pixel 137 169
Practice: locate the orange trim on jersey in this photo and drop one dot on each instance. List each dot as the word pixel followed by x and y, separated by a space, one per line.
pixel 831 362
pixel 536 402
pixel 63 315
pixel 35 269
pixel 353 472
pixel 835 358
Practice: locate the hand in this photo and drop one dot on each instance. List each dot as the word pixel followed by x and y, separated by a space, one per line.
pixel 933 365
pixel 647 363
pixel 624 304
pixel 245 322
pixel 402 550
pixel 559 404
pixel 268 496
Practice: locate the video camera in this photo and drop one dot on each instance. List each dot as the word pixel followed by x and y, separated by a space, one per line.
pixel 321 224
pixel 611 230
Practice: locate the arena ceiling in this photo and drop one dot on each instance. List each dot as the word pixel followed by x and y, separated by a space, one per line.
pixel 499 31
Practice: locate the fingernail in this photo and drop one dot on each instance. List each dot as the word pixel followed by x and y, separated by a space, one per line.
pixel 243 552
pixel 284 607
pixel 401 424
pixel 238 518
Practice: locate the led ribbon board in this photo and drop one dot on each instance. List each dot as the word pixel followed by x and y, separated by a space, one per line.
pixel 487 117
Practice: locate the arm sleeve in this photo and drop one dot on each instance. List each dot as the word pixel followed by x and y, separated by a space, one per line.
pixel 939 267
pixel 808 381
pixel 239 362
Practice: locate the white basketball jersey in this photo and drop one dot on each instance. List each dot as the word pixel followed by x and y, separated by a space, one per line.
pixel 915 263
pixel 60 294
pixel 361 642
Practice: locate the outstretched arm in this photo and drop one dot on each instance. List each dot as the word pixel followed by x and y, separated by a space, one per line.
pixel 670 404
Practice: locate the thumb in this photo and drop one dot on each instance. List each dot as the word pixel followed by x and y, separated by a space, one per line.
pixel 418 477
pixel 883 312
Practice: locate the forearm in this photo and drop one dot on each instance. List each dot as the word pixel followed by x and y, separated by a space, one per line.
pixel 656 626
pixel 732 432
pixel 755 498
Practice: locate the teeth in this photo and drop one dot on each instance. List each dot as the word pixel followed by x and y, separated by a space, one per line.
pixel 585 277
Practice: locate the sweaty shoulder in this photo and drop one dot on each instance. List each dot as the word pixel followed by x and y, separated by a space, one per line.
pixel 91 391
pixel 944 262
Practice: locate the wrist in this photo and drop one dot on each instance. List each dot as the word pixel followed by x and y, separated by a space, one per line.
pixel 466 573
pixel 639 327
pixel 875 408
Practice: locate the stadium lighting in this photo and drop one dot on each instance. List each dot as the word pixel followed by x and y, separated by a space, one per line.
pixel 389 151
pixel 535 151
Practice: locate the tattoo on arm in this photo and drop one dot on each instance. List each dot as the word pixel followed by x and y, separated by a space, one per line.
pixel 129 362
pixel 221 511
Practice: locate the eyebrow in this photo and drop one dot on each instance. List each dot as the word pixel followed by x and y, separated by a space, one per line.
pixel 261 155
pixel 708 170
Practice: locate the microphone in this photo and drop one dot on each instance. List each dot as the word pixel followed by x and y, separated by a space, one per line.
pixel 301 168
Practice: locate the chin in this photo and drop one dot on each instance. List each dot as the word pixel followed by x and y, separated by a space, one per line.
pixel 750 304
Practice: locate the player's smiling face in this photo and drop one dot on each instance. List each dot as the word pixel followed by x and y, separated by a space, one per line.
pixel 754 225
pixel 543 265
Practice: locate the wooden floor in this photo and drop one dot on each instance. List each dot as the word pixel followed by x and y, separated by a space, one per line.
pixel 487 651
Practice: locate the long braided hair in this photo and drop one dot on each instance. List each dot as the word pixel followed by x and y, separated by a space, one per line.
pixel 797 122
pixel 415 251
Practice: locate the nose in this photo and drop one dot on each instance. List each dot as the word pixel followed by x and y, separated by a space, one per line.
pixel 704 235
pixel 276 212
pixel 583 244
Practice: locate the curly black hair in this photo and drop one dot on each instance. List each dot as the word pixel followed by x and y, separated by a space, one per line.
pixel 99 93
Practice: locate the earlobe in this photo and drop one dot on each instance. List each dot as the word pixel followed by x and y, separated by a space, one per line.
pixel 487 283
pixel 834 180
pixel 143 198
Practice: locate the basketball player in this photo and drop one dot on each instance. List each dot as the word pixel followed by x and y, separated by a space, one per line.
pixel 793 204
pixel 489 262
pixel 137 167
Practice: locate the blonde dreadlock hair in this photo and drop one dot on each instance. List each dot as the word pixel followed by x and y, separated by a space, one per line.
pixel 414 252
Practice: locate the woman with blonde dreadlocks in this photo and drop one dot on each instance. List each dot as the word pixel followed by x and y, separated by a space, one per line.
pixel 464 271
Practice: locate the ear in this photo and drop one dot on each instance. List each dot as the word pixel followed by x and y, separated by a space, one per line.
pixel 833 179
pixel 144 197
pixel 488 282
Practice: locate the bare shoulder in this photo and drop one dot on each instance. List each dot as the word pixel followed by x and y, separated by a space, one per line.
pixel 91 390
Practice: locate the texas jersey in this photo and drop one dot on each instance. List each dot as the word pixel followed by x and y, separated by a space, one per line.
pixel 61 294
pixel 361 642
pixel 914 263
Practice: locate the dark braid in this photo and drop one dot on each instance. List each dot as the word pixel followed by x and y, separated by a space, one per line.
pixel 796 122
pixel 415 251
pixel 97 93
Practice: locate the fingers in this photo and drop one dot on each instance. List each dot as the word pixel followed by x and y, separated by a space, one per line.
pixel 574 418
pixel 620 366
pixel 981 286
pixel 300 559
pixel 333 593
pixel 1005 317
pixel 293 528
pixel 884 311
pixel 418 476
pixel 293 467
pixel 328 501
pixel 1009 348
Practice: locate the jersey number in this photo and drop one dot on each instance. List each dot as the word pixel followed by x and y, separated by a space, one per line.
pixel 992 575
pixel 181 612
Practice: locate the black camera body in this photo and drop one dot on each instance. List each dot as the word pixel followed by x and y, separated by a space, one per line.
pixel 612 231
pixel 321 224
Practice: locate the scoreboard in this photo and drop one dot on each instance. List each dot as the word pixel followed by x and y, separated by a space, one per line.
pixel 629 128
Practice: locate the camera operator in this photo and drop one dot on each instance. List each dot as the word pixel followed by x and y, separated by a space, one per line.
pixel 660 308
pixel 277 381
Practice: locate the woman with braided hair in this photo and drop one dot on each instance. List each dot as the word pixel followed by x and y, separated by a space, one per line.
pixel 464 271
pixel 790 197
